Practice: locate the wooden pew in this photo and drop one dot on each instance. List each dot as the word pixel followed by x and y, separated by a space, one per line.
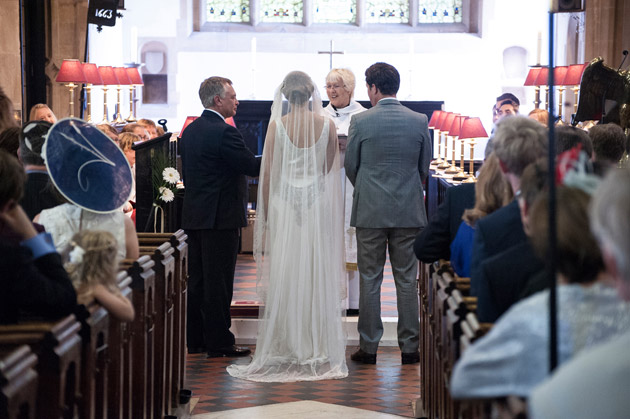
pixel 18 383
pixel 142 332
pixel 120 371
pixel 471 330
pixel 163 256
pixel 178 241
pixel 94 332
pixel 58 349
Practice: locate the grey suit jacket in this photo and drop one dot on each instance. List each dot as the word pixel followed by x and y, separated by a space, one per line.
pixel 387 160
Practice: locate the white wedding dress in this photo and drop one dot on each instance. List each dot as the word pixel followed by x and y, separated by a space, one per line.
pixel 300 261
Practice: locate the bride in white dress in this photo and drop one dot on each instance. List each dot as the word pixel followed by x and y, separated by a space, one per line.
pixel 298 250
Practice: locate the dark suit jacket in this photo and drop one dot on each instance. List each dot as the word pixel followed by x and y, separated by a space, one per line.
pixel 494 233
pixel 507 274
pixel 38 194
pixel 215 163
pixel 434 241
pixel 39 286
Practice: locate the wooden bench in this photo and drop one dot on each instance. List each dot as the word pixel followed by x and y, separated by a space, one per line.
pixel 142 335
pixel 18 383
pixel 58 349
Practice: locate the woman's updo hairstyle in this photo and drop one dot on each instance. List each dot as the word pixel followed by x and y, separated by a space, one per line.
pixel 297 87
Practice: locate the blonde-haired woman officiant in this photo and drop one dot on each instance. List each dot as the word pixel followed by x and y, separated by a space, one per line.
pixel 340 83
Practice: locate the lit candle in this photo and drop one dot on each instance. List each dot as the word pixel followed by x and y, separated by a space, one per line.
pixel 539 49
pixel 253 52
pixel 133 44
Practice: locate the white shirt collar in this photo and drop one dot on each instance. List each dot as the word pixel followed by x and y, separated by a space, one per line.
pixel 212 110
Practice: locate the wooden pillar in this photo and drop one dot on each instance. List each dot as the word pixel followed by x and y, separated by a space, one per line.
pixel 607 30
pixel 66 38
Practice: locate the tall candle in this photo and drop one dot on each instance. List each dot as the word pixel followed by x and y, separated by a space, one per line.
pixel 253 52
pixel 133 44
pixel 539 49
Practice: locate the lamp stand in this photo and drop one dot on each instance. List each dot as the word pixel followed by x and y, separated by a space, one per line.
pixel 71 86
pixel 438 161
pixel 547 98
pixel 132 113
pixel 119 119
pixel 445 164
pixel 105 110
pixel 560 102
pixel 471 168
pixel 576 89
pixel 88 95
pixel 452 169
pixel 537 99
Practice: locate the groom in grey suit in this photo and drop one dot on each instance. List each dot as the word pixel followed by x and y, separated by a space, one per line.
pixel 387 160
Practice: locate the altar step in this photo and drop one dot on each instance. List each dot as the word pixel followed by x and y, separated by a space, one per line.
pixel 246 328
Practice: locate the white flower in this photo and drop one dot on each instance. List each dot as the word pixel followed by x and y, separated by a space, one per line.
pixel 76 255
pixel 166 194
pixel 170 175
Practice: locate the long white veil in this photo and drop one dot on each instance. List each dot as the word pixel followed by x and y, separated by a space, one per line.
pixel 298 243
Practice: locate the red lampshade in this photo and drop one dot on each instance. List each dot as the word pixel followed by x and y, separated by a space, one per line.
pixel 448 122
pixel 188 121
pixel 574 74
pixel 108 75
pixel 456 125
pixel 134 76
pixel 91 73
pixel 542 77
pixel 121 74
pixel 472 128
pixel 71 71
pixel 559 73
pixel 434 118
pixel 440 122
pixel 531 76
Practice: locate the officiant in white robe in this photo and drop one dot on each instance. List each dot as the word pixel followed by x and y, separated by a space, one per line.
pixel 340 83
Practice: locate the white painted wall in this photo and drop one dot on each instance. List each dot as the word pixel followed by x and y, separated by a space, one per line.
pixel 463 70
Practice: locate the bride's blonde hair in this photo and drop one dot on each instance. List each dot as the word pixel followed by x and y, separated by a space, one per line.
pixel 93 260
pixel 297 87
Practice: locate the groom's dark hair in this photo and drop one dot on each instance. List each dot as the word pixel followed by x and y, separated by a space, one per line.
pixel 384 76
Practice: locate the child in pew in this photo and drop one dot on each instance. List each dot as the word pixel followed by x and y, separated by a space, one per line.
pixel 92 267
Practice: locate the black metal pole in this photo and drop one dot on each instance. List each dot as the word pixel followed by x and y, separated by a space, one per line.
pixel 553 305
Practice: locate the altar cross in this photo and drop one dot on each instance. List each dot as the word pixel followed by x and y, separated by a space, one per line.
pixel 331 52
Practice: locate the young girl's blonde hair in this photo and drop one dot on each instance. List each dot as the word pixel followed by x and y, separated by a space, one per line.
pixel 92 260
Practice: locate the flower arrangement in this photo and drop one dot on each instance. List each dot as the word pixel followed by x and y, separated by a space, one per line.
pixel 166 180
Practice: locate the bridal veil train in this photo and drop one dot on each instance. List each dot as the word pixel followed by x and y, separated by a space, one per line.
pixel 298 243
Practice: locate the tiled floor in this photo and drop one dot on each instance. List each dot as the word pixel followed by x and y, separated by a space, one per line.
pixel 387 387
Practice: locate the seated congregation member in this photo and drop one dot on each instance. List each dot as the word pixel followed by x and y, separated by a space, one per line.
pixel 568 137
pixel 518 142
pixel 96 195
pixel 492 191
pixel 514 356
pixel 595 383
pixel 150 126
pixel 39 192
pixel 32 277
pixel 10 140
pixel 41 112
pixel 609 144
pixel 434 241
pixel 92 266
pixel 108 130
pixel 540 115
pixel 125 141
pixel 516 272
pixel 506 105
pixel 137 129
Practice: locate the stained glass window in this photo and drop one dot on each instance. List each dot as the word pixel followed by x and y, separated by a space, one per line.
pixel 285 11
pixel 335 11
pixel 227 11
pixel 387 11
pixel 440 11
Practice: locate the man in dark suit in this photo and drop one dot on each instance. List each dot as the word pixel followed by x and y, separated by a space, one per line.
pixel 32 277
pixel 387 160
pixel 216 163
pixel 434 242
pixel 518 142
